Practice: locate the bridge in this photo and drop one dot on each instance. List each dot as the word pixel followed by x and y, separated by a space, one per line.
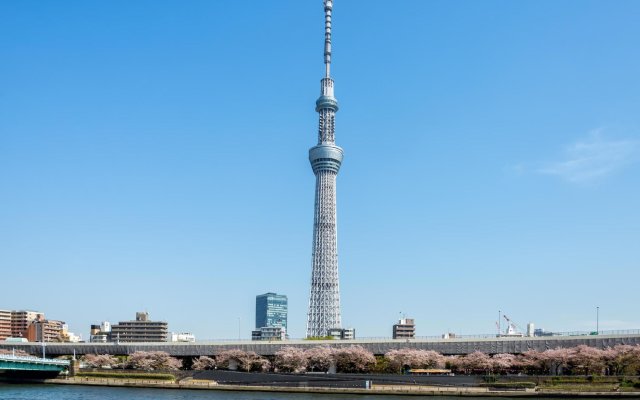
pixel 12 367
pixel 456 346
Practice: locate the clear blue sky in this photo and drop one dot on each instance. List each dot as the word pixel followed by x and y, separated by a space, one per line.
pixel 153 156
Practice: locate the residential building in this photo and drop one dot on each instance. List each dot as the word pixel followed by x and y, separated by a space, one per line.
pixel 94 330
pixel 140 330
pixel 98 335
pixel 404 329
pixel 70 337
pixel 20 321
pixel 271 310
pixel 105 326
pixel 5 324
pixel 43 330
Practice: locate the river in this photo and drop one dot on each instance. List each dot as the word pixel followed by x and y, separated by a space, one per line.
pixel 64 392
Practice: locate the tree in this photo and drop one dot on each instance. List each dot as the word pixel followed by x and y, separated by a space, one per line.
pixel 290 359
pixel 99 360
pixel 531 362
pixel 412 358
pixel 624 359
pixel 319 358
pixel 245 360
pixel 474 362
pixel 503 363
pixel 153 360
pixel 17 353
pixel 556 360
pixel 588 360
pixel 354 359
pixel 203 363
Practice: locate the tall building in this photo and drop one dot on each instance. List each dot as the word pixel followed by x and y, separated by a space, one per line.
pixel 44 330
pixel 20 321
pixel 5 324
pixel 140 330
pixel 325 158
pixel 404 329
pixel 271 310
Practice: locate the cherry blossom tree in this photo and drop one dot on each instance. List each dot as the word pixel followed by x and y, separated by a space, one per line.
pixel 503 362
pixel 319 358
pixel 244 360
pixel 99 360
pixel 260 364
pixel 153 360
pixel 624 359
pixel 557 360
pixel 17 353
pixel 354 359
pixel 290 359
pixel 203 363
pixel 588 360
pixel 475 362
pixel 530 362
pixel 413 358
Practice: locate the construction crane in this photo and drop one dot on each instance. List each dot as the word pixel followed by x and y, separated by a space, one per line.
pixel 512 328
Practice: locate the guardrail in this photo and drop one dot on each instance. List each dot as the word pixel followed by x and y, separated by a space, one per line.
pixel 485 336
pixel 37 360
pixel 440 337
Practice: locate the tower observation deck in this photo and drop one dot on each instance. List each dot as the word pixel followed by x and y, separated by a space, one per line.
pixel 325 158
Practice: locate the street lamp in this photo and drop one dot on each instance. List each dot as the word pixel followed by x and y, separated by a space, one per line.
pixel 598 320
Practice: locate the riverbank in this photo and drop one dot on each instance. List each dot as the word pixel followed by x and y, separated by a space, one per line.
pixel 395 390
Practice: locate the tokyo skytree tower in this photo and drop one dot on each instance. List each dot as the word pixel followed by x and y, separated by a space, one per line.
pixel 325 158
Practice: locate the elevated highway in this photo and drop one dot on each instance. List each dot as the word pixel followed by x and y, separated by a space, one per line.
pixel 457 346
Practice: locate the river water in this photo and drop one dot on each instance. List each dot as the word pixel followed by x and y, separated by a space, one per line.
pixel 64 392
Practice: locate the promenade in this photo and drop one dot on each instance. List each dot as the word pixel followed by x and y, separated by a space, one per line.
pixel 407 390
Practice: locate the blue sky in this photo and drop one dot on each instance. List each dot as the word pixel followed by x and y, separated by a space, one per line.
pixel 153 156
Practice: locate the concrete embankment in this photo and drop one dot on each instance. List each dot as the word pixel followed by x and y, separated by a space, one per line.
pixel 396 390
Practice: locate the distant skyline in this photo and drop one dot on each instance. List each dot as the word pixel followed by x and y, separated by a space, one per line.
pixel 153 158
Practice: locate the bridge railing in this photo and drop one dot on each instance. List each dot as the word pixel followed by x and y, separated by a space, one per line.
pixel 11 357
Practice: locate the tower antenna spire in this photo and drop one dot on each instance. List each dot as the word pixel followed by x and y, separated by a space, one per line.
pixel 328 8
pixel 326 157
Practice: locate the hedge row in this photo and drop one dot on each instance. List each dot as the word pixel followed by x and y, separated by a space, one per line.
pixel 510 385
pixel 585 379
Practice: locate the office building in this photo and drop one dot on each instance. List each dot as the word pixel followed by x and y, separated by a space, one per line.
pixel 183 337
pixel 348 334
pixel 271 310
pixel 269 333
pixel 342 334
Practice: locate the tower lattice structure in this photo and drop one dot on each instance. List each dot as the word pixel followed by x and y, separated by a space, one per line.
pixel 325 158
